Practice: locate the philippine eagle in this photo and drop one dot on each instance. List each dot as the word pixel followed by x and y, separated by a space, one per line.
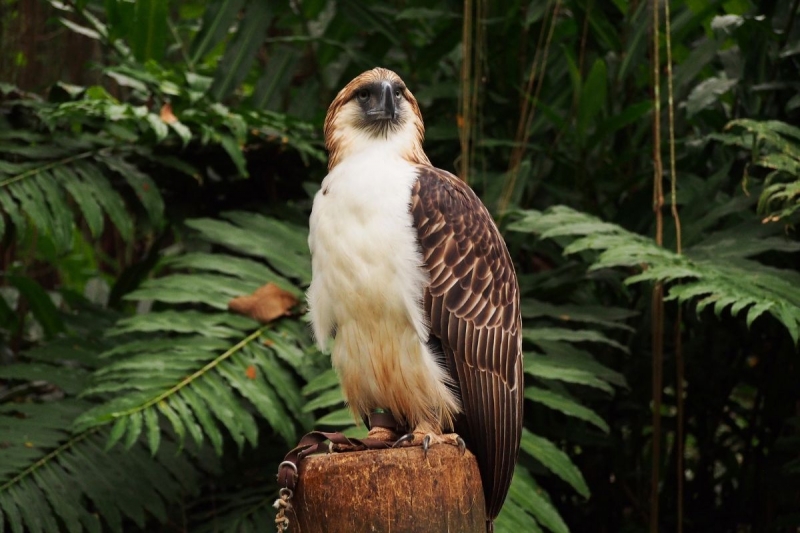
pixel 412 278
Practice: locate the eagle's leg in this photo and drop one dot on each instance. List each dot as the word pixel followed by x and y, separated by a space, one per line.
pixel 382 434
pixel 426 435
pixel 383 428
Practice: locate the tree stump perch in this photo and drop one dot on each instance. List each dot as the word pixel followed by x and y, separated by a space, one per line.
pixel 394 490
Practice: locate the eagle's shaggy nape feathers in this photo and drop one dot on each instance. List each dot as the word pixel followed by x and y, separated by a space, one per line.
pixel 412 276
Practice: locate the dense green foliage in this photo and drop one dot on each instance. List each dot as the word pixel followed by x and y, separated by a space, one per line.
pixel 132 210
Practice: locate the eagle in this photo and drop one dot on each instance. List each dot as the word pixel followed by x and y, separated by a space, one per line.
pixel 412 279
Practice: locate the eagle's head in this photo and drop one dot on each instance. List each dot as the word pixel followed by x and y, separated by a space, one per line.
pixel 374 111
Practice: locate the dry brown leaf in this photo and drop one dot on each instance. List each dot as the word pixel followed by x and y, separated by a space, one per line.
pixel 166 114
pixel 266 304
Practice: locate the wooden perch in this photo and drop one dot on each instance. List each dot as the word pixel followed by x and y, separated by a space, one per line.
pixel 394 490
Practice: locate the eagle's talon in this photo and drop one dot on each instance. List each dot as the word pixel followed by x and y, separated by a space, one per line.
pixel 462 446
pixel 426 444
pixel 408 437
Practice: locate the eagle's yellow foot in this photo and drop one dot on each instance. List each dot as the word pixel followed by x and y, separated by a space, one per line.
pixel 429 438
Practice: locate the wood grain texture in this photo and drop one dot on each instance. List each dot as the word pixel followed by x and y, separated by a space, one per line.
pixel 393 490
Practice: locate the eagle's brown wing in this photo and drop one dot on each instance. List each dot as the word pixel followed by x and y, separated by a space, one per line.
pixel 473 306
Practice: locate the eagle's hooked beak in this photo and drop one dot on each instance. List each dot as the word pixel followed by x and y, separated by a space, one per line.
pixel 385 108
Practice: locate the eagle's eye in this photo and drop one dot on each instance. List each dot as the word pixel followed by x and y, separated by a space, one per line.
pixel 397 93
pixel 362 95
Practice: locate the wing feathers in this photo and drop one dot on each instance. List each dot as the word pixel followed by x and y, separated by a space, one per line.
pixel 473 306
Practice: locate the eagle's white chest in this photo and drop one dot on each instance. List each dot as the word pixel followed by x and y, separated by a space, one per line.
pixel 368 283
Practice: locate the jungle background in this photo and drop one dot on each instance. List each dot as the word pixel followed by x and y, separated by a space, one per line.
pixel 158 159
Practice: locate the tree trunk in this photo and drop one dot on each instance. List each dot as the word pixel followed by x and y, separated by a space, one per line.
pixel 394 490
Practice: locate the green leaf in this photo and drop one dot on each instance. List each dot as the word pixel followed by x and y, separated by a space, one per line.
pixel 153 430
pixel 241 52
pixel 603 316
pixel 545 367
pixel 333 397
pixel 529 496
pixel 81 192
pixel 338 418
pixel 82 30
pixel 9 507
pixel 30 197
pixel 707 93
pixel 593 95
pixel 323 381
pixel 135 421
pixel 275 79
pixel 569 355
pixel 149 30
pixel 245 269
pixel 364 17
pixel 201 412
pixel 143 186
pixel 11 208
pixel 566 405
pixel 209 325
pixel 213 290
pixel 513 518
pixel 61 495
pixel 173 418
pixel 234 151
pixel 117 431
pixel 70 380
pixel 536 335
pixel 61 225
pixel 217 21
pixel 41 305
pixel 187 418
pixel 278 243
pixel 245 379
pixel 108 199
pixel 554 460
pixel 223 405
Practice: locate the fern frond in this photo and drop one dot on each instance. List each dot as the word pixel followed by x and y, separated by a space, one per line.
pixel 775 146
pixel 54 182
pixel 704 280
pixel 202 369
pixel 53 480
pixel 76 473
pixel 283 245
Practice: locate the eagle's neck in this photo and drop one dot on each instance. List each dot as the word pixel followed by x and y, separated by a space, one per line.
pixel 405 144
